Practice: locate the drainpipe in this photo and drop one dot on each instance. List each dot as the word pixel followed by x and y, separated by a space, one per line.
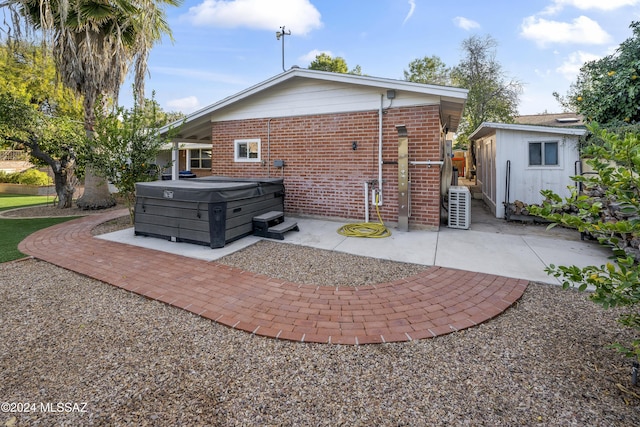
pixel 380 114
pixel 427 162
pixel 175 175
pixel 403 178
pixel 269 147
pixel 366 202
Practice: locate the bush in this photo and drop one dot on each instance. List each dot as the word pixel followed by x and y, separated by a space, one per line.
pixel 609 210
pixel 28 177
pixel 34 177
pixel 8 178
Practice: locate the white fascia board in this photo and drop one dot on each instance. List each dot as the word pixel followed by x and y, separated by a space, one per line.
pixel 486 127
pixel 385 84
pixel 185 146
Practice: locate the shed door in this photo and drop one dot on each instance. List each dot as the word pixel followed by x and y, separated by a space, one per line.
pixel 492 168
pixel 486 170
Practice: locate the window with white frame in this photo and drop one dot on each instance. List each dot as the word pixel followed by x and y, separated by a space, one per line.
pixel 247 150
pixel 543 153
pixel 200 159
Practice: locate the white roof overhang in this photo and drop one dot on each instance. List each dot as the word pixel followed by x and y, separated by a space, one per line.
pixel 197 126
pixel 487 128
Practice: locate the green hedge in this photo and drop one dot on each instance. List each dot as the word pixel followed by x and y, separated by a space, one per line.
pixel 28 177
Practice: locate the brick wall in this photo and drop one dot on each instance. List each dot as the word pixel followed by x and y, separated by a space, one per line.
pixel 324 176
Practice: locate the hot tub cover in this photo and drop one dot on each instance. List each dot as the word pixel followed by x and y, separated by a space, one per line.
pixel 198 191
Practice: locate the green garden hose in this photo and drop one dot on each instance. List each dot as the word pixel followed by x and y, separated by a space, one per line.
pixel 366 229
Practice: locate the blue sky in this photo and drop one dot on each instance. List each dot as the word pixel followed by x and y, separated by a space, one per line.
pixel 222 47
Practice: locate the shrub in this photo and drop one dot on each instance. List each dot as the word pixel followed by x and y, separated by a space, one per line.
pixel 28 177
pixel 610 211
pixel 34 177
pixel 129 144
pixel 8 178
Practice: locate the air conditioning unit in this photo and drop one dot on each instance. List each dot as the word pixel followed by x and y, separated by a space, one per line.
pixel 459 207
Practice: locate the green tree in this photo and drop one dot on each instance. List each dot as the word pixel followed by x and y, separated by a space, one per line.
pixel 94 45
pixel 428 70
pixel 128 143
pixel 492 96
pixel 28 71
pixel 607 90
pixel 154 114
pixel 357 70
pixel 46 117
pixel 50 139
pixel 609 209
pixel 325 62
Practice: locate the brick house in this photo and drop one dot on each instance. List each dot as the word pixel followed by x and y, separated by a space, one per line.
pixel 334 140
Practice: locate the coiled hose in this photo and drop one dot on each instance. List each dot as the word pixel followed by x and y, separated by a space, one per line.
pixel 366 229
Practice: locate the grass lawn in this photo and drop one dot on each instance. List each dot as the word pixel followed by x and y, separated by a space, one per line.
pixel 10 201
pixel 13 231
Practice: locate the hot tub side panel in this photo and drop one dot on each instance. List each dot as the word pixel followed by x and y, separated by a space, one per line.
pixel 211 223
pixel 180 220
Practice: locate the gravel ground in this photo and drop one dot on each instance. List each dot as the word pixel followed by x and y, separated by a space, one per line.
pixel 133 361
pixel 317 267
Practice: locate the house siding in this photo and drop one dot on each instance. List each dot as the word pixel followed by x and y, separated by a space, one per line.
pixel 324 176
pixel 301 97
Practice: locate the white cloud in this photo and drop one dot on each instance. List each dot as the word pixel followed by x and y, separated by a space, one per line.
pixel 299 16
pixel 581 30
pixel 571 66
pixel 412 7
pixel 465 24
pixel 312 55
pixel 185 105
pixel 605 5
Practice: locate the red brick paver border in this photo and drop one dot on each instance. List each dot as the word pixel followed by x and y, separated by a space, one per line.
pixel 435 302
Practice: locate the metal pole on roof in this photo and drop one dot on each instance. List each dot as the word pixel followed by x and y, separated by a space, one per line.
pixel 281 34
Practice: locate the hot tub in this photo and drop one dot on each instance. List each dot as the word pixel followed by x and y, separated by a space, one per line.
pixel 209 211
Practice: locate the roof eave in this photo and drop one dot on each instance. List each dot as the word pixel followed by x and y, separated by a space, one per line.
pixel 487 127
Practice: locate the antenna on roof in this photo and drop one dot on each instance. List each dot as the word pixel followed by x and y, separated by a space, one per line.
pixel 280 34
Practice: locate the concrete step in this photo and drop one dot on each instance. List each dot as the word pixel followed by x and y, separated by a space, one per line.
pixel 269 216
pixel 277 231
pixel 283 227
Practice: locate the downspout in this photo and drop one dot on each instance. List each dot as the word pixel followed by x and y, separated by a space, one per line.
pixel 366 202
pixel 403 178
pixel 380 114
pixel 175 159
pixel 269 147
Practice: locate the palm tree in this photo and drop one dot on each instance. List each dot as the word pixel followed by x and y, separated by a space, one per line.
pixel 94 43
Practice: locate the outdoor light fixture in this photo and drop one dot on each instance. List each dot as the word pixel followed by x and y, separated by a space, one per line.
pixel 281 34
pixel 354 145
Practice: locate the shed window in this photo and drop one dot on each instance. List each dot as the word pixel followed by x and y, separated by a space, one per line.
pixel 543 153
pixel 200 159
pixel 247 150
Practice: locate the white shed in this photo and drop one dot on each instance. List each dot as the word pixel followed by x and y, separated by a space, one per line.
pixel 517 161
